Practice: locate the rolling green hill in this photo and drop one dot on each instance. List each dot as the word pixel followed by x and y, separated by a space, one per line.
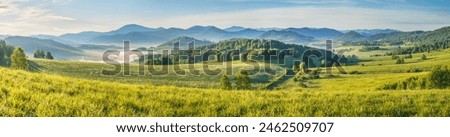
pixel 58 50
pixel 66 88
pixel 289 37
pixel 397 37
pixel 36 94
pixel 70 88
pixel 183 43
pixel 350 36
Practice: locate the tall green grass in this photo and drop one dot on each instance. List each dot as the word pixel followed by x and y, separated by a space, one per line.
pixel 33 94
pixel 92 71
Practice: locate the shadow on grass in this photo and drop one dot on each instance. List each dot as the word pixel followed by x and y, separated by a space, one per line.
pixel 34 67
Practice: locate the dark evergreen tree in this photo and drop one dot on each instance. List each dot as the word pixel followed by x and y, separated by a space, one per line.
pixel 49 55
pixel 225 83
pixel 243 80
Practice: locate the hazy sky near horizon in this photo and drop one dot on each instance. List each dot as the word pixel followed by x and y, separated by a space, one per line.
pixel 55 17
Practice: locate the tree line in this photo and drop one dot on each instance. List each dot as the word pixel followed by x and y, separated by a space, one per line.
pixel 5 54
pixel 241 81
pixel 243 50
pixel 15 57
pixel 438 78
pixel 421 48
pixel 43 54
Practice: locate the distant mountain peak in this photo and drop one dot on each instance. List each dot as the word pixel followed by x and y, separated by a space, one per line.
pixel 235 29
pixel 369 32
pixel 130 28
pixel 352 33
pixel 351 36
pixel 318 33
pixel 133 25
pixel 286 36
pixel 184 40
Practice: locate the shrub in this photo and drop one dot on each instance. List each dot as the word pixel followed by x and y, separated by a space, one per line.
pixel 394 57
pixel 18 59
pixel 400 61
pixel 424 57
pixel 440 77
pixel 408 56
pixel 243 80
pixel 225 83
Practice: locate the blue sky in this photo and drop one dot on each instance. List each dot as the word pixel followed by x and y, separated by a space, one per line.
pixel 55 17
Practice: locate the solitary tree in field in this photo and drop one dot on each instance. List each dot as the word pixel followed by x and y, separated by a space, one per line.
pixel 18 59
pixel 424 57
pixel 400 61
pixel 225 83
pixel 243 80
pixel 49 55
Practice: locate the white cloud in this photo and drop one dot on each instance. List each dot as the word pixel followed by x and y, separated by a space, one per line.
pixel 17 19
pixel 58 1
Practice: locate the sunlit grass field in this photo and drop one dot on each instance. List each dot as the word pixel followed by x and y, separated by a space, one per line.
pixel 93 71
pixel 32 94
pixel 66 88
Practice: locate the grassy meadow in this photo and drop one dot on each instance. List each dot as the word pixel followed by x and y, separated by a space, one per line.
pixel 68 88
pixel 93 71
pixel 34 94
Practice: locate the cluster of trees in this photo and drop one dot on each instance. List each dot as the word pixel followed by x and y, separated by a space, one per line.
pixel 241 81
pixel 368 43
pixel 243 44
pixel 438 78
pixel 12 57
pixel 421 48
pixel 235 49
pixel 42 54
pixel 251 50
pixel 369 48
pixel 399 38
pixel 157 60
pixel 400 61
pixel 5 53
pixel 302 72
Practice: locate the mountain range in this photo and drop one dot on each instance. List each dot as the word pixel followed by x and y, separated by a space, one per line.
pixel 369 32
pixel 90 43
pixel 151 37
pixel 59 50
pixel 285 36
pixel 30 45
pixel 142 36
pixel 397 37
pixel 183 41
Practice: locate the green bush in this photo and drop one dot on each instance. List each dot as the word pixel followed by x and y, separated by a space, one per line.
pixel 438 78
pixel 19 59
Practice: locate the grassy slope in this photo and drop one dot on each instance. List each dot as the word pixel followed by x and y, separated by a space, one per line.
pixel 64 88
pixel 373 74
pixel 33 94
pixel 93 71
